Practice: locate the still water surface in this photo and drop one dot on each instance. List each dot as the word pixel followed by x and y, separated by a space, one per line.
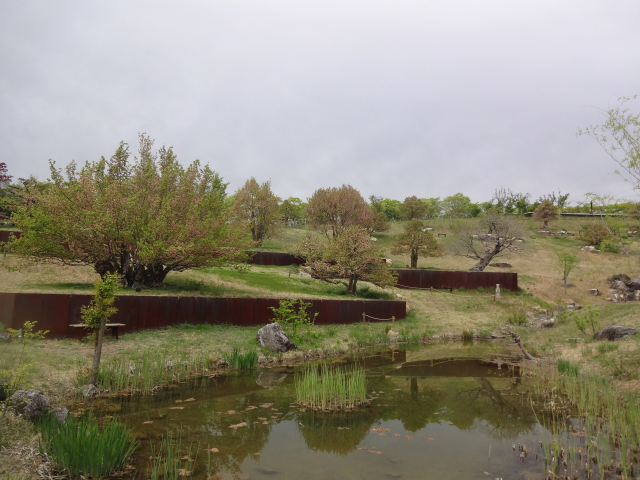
pixel 443 418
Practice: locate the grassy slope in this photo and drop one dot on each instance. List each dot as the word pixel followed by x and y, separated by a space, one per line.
pixel 57 362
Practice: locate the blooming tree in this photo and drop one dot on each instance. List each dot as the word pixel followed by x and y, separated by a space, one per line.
pixel 416 241
pixel 256 204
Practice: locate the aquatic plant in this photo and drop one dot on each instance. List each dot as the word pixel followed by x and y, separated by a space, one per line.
pixel 327 388
pixel 565 367
pixel 169 461
pixel 80 448
pixel 467 335
pixel 242 361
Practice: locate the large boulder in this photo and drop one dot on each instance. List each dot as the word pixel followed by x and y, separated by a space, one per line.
pixel 29 403
pixel 614 332
pixel 89 391
pixel 273 337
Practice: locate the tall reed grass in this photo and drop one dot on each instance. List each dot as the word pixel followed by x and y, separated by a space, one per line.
pixel 331 389
pixel 81 448
pixel 603 436
pixel 243 361
pixel 150 370
pixel 170 460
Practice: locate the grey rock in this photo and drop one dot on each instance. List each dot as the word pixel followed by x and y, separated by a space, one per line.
pixel 500 264
pixel 594 291
pixel 29 403
pixel 619 285
pixel 273 337
pixel 548 323
pixel 270 379
pixel 614 332
pixel 588 248
pixel 619 276
pixel 60 414
pixel 222 363
pixel 5 336
pixel 89 391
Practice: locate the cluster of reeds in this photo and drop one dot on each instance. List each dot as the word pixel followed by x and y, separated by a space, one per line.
pixel 565 367
pixel 170 461
pixel 327 388
pixel 149 371
pixel 81 448
pixel 604 435
pixel 242 361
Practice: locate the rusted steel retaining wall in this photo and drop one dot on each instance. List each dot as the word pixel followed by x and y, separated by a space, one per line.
pixel 470 280
pixel 55 312
pixel 275 258
pixel 5 234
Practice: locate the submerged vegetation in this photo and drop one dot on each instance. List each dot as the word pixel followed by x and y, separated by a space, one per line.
pixel 169 462
pixel 79 447
pixel 331 389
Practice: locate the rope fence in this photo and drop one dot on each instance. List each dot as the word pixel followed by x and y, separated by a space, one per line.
pixel 392 319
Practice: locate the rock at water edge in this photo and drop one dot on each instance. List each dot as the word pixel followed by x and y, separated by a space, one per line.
pixel 273 337
pixel 29 403
pixel 614 332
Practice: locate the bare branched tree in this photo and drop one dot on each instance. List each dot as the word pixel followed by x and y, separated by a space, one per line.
pixel 490 237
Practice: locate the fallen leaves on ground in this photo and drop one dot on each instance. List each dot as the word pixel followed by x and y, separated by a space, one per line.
pixel 178 401
pixel 190 400
pixel 396 434
pixel 429 438
pixel 265 423
pixel 262 418
pixel 409 437
pixel 183 472
pixel 343 428
pixel 380 431
pixel 214 450
pixel 231 412
pixel 449 422
pixel 176 408
pixel 251 407
pixel 147 422
pixel 242 424
pixel 266 405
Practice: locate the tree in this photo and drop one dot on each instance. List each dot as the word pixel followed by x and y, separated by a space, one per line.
pixel 566 263
pixel 391 209
pixel 95 316
pixel 350 255
pixel 560 199
pixel 493 235
pixel 416 241
pixel 594 233
pixel 456 206
pixel 508 202
pixel 292 211
pixel 619 137
pixel 256 204
pixel 413 207
pixel 546 212
pixel 139 220
pixel 434 208
pixel 332 210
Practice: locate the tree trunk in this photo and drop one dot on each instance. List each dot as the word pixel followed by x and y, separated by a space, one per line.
pixel 154 275
pixel 545 225
pixel 98 352
pixel 353 281
pixel 414 259
pixel 481 265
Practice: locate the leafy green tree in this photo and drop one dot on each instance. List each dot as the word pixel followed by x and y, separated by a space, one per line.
pixel 413 208
pixel 333 210
pixel 456 206
pixel 256 204
pixel 566 262
pixel 619 137
pixel 350 255
pixel 292 211
pixel 96 315
pixel 434 207
pixel 139 220
pixel 416 241
pixel 595 233
pixel 546 212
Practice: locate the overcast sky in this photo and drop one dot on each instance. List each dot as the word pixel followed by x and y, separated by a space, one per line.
pixel 397 98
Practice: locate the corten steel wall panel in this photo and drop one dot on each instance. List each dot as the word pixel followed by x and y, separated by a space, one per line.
pixel 7 303
pixel 275 258
pixel 439 279
pixel 149 312
pixel 128 313
pixel 185 311
pixel 6 234
pixel 55 313
pixel 168 311
pixel 28 307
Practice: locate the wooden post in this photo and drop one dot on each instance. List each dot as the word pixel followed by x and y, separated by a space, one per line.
pixel 431 288
pixel 497 296
pixel 362 317
pixel 393 321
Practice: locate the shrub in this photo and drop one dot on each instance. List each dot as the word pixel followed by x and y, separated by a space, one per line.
pixel 589 320
pixel 517 319
pixel 611 245
pixel 467 335
pixel 594 233
pixel 79 447
pixel 292 314
pixel 565 367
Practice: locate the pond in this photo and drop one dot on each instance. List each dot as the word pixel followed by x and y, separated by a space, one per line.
pixel 460 416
